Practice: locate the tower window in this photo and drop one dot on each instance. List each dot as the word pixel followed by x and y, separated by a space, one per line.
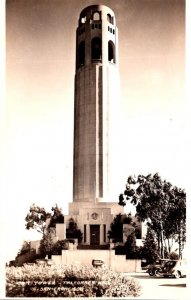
pixel 81 53
pixel 83 20
pixel 113 31
pixel 96 48
pixel 111 52
pixel 96 16
pixel 110 18
pixel 96 26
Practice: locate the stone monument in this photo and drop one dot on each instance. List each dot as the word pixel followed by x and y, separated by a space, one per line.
pixel 96 91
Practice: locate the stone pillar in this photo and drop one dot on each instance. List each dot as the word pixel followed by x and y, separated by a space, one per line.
pixel 88 234
pixel 61 231
pixel 101 235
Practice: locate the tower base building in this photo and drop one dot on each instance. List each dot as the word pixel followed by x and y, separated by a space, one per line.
pixel 94 219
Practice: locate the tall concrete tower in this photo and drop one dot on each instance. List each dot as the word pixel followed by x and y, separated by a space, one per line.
pixel 96 90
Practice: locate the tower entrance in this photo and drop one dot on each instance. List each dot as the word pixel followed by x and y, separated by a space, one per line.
pixel 94 234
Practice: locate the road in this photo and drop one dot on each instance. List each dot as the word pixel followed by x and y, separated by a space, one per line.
pixel 162 288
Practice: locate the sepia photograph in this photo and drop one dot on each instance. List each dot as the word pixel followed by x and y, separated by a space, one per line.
pixel 94 153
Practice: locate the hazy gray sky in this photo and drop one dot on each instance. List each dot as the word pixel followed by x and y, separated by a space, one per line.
pixel 38 137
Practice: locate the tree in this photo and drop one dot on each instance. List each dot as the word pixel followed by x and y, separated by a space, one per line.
pixel 175 223
pixel 73 232
pixel 130 246
pixel 46 244
pixel 116 228
pixel 149 250
pixel 26 247
pixel 57 217
pixel 36 219
pixel 159 203
pixel 25 254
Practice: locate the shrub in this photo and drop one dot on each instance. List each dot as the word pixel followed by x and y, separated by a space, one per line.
pixel 46 244
pixel 73 232
pixel 68 281
pixel 174 255
pixel 116 227
pixel 124 287
pixel 130 248
pixel 120 250
pixel 28 257
pixel 25 255
pixel 57 217
pixel 149 251
pixel 59 246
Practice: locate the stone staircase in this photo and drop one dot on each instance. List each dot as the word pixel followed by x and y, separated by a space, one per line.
pixel 93 247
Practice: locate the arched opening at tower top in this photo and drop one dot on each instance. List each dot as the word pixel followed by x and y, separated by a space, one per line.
pixel 96 48
pixel 81 54
pixel 111 52
pixel 83 20
pixel 110 18
pixel 96 16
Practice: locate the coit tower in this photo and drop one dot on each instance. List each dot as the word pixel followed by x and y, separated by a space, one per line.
pixel 96 92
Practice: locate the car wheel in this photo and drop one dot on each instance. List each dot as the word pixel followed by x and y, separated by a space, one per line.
pixel 152 272
pixel 177 274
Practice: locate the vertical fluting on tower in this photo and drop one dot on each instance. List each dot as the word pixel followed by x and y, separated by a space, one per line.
pixel 96 83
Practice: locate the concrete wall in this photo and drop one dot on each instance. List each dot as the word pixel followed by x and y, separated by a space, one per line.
pixel 116 263
pixel 57 259
pixel 121 264
pixel 61 231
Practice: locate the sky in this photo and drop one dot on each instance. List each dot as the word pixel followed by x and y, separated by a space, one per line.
pixel 37 148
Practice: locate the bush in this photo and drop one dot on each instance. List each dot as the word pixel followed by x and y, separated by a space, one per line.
pixel 46 244
pixel 131 250
pixel 149 251
pixel 72 232
pixel 120 250
pixel 59 246
pixel 68 281
pixel 174 255
pixel 28 257
pixel 25 255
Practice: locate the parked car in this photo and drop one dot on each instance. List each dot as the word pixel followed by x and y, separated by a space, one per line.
pixel 154 269
pixel 175 268
pixel 166 268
